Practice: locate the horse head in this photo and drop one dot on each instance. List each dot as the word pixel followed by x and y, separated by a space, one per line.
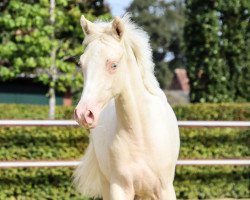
pixel 102 66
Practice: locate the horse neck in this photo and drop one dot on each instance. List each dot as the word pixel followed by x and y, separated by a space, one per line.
pixel 131 104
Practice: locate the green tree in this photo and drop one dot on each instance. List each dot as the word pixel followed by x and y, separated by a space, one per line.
pixel 235 46
pixel 30 37
pixel 163 20
pixel 217 50
pixel 206 69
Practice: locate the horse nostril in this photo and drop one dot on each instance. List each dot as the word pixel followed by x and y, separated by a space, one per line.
pixel 89 117
pixel 91 114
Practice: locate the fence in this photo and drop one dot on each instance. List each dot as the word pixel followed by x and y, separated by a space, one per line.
pixel 188 124
pixel 71 163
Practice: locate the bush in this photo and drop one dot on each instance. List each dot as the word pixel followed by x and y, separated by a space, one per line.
pixel 212 182
pixel 38 143
pixel 217 57
pixel 213 111
pixel 22 111
pixel 205 111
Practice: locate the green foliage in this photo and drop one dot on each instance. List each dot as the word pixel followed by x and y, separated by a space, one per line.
pixel 163 21
pixel 212 182
pixel 38 143
pixel 213 111
pixel 214 143
pixel 206 69
pixel 26 39
pixel 42 143
pixel 37 183
pixel 235 46
pixel 22 111
pixel 208 111
pixel 217 50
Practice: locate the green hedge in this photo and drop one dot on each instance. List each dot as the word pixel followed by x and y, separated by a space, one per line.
pixel 24 111
pixel 213 111
pixel 37 144
pixel 32 143
pixel 206 111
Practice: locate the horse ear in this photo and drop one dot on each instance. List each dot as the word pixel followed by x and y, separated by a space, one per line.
pixel 87 26
pixel 118 27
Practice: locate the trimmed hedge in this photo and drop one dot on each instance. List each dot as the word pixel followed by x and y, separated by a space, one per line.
pixel 33 143
pixel 24 111
pixel 212 182
pixel 205 111
pixel 213 111
pixel 37 184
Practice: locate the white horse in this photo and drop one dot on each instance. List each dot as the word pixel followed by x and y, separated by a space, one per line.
pixel 134 140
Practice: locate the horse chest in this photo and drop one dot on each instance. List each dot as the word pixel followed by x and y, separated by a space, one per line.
pixel 139 176
pixel 120 151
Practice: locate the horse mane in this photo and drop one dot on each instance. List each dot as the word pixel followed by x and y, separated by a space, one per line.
pixel 138 40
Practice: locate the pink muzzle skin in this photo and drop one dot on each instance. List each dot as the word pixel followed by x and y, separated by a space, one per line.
pixel 86 116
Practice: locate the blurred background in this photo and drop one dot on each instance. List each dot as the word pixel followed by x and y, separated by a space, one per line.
pixel 201 51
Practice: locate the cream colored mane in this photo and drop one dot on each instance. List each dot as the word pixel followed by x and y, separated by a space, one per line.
pixel 136 39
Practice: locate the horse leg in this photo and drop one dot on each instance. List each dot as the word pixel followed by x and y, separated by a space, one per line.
pixel 168 193
pixel 117 192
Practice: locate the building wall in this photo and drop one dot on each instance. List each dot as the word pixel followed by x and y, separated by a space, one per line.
pixel 25 92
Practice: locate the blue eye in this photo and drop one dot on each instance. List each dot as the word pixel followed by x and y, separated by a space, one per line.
pixel 114 65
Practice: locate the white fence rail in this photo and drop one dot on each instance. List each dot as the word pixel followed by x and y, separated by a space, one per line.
pixel 194 124
pixel 72 163
pixel 67 163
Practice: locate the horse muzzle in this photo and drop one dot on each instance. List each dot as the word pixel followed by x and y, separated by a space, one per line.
pixel 86 116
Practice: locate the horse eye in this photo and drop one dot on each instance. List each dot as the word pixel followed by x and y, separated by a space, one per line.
pixel 114 65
